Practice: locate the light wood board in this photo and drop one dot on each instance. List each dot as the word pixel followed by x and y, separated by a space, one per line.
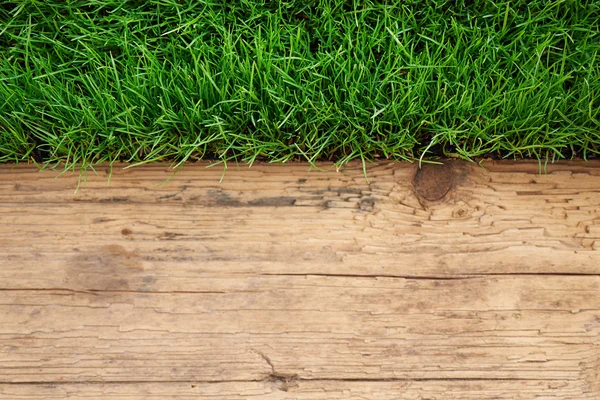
pixel 451 281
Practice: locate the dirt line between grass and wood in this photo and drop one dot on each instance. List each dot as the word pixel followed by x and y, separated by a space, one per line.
pixel 450 281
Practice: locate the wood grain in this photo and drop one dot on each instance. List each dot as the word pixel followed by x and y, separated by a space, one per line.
pixel 309 390
pixel 452 281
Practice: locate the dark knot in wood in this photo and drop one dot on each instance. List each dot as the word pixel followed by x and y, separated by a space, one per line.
pixel 433 181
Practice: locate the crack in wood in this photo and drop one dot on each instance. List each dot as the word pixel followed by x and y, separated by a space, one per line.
pixel 434 277
pixel 269 378
pixel 284 381
pixel 474 276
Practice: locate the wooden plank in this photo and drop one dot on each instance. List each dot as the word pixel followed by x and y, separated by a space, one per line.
pixel 306 390
pixel 334 223
pixel 484 284
pixel 307 328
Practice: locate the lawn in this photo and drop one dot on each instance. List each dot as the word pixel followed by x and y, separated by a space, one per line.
pixel 89 81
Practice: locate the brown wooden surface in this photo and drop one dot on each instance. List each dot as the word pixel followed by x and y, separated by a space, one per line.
pixel 452 281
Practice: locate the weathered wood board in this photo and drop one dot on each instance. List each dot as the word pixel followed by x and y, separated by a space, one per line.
pixel 453 281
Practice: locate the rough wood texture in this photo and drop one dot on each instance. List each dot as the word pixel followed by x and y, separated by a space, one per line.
pixel 452 281
pixel 309 390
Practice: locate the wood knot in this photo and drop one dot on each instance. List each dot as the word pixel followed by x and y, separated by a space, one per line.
pixel 433 181
pixel 460 212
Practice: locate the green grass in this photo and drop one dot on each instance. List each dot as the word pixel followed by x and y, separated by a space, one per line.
pixel 88 81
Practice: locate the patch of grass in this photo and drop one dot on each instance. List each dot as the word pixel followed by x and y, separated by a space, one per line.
pixel 88 81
